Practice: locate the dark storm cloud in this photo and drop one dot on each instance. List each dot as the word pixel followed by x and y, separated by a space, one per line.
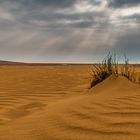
pixel 51 3
pixel 67 16
pixel 94 2
pixel 123 3
pixel 134 17
pixel 43 3
pixel 46 13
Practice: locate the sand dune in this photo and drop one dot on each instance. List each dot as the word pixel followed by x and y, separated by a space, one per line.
pixel 53 103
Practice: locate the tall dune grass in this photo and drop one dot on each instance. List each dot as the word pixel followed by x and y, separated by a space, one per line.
pixel 110 66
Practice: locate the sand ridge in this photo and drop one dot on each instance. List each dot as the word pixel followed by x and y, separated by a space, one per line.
pixel 111 110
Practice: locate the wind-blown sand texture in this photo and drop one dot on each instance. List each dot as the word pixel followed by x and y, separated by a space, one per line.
pixel 53 103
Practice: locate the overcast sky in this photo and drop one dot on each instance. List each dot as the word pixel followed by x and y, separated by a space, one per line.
pixel 68 30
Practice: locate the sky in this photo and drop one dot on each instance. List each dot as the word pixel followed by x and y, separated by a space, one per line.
pixel 69 30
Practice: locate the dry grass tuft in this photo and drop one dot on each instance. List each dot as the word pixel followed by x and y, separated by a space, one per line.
pixel 128 71
pixel 110 66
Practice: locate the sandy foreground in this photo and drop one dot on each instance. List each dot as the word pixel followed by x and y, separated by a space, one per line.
pixel 54 103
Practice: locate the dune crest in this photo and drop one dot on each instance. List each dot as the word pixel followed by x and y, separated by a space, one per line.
pixel 115 83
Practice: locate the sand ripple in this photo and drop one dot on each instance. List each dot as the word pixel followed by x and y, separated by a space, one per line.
pixel 109 111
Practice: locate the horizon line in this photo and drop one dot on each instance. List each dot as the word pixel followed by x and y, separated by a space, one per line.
pixel 7 62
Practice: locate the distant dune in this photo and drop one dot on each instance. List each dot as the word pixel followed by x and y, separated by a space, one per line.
pixel 2 62
pixel 54 103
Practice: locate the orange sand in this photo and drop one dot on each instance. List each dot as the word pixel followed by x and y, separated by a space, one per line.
pixel 53 103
